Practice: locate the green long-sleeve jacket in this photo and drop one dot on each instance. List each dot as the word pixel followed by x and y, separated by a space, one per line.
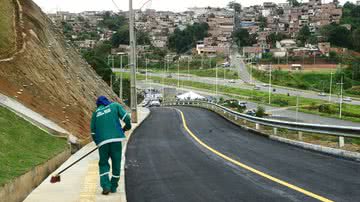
pixel 105 124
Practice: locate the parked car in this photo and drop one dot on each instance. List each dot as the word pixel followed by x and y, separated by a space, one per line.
pixel 232 81
pixel 347 99
pixel 251 112
pixel 242 103
pixel 322 94
pixel 256 87
pixel 266 84
pixel 154 103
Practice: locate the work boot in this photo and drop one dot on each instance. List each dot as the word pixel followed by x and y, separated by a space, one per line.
pixel 105 192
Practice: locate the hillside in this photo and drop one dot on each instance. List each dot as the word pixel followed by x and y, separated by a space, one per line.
pixel 40 70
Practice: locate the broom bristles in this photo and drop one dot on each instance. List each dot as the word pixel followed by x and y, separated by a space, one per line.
pixel 55 179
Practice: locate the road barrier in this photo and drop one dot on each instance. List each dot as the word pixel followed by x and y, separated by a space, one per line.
pixel 334 130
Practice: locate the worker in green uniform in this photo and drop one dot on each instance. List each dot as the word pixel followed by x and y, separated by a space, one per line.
pixel 107 133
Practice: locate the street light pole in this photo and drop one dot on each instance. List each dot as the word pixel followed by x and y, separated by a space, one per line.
pixel 188 68
pixel 216 82
pixel 341 96
pixel 270 84
pixel 133 64
pixel 330 86
pixel 121 78
pixel 297 107
pixel 146 72
pixel 178 75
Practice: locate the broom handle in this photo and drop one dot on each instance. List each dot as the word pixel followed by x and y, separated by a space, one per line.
pixel 77 161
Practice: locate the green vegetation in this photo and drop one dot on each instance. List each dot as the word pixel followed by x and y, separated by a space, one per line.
pixel 229 74
pixel 182 41
pixel 317 81
pixel 23 146
pixel 242 38
pixel 341 36
pixel 7 39
pixel 260 111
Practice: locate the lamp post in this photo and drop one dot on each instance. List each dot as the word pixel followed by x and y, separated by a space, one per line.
pixel 216 81
pixel 330 86
pixel 341 96
pixel 133 62
pixel 270 84
pixel 121 76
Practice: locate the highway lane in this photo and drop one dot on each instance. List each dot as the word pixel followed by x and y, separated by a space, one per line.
pixel 165 163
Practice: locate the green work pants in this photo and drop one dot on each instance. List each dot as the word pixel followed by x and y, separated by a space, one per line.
pixel 111 150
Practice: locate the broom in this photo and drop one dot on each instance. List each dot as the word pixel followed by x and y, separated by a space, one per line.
pixel 56 178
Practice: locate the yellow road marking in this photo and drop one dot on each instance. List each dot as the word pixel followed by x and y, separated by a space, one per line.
pixel 274 179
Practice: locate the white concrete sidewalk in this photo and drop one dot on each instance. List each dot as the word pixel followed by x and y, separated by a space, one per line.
pixel 81 182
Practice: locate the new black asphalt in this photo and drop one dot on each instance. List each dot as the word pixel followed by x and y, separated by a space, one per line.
pixel 163 163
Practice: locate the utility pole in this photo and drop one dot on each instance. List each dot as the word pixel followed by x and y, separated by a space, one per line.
pixel 133 65
pixel 341 95
pixel 270 84
pixel 121 78
pixel 202 61
pixel 216 82
pixel 330 86
pixel 188 68
pixel 178 75
pixel 297 107
pixel 111 76
pixel 146 72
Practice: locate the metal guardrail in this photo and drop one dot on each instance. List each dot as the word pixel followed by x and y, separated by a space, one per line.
pixel 342 131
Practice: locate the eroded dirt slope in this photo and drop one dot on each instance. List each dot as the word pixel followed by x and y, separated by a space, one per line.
pixel 48 75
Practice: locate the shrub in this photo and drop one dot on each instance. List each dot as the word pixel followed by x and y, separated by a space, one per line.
pixel 260 111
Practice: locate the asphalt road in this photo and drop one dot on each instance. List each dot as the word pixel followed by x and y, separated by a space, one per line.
pixel 165 163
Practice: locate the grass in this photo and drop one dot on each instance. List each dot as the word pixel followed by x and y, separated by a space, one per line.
pixel 311 106
pixel 7 39
pixel 23 146
pixel 315 80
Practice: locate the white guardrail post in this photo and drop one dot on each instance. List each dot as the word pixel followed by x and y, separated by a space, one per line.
pixel 341 141
pixel 275 131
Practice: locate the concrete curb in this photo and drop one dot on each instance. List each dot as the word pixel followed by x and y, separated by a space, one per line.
pixel 327 150
pixel 22 186
pixel 123 159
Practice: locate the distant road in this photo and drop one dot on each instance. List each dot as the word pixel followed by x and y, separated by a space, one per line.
pixel 244 83
pixel 238 63
pixel 278 113
pixel 222 162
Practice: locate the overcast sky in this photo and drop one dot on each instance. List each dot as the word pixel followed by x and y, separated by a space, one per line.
pixel 172 5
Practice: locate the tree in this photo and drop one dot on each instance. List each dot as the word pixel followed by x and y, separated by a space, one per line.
pixel 262 22
pixel 182 41
pixel 234 5
pixel 304 35
pixel 260 111
pixel 356 39
pixel 121 36
pixel 242 38
pixel 293 3
pixel 142 38
pixel 337 35
pixel 274 37
pixel 113 22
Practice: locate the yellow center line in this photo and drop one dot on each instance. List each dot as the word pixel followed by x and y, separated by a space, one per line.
pixel 274 179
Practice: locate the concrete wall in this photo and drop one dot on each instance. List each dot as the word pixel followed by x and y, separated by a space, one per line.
pixel 19 188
